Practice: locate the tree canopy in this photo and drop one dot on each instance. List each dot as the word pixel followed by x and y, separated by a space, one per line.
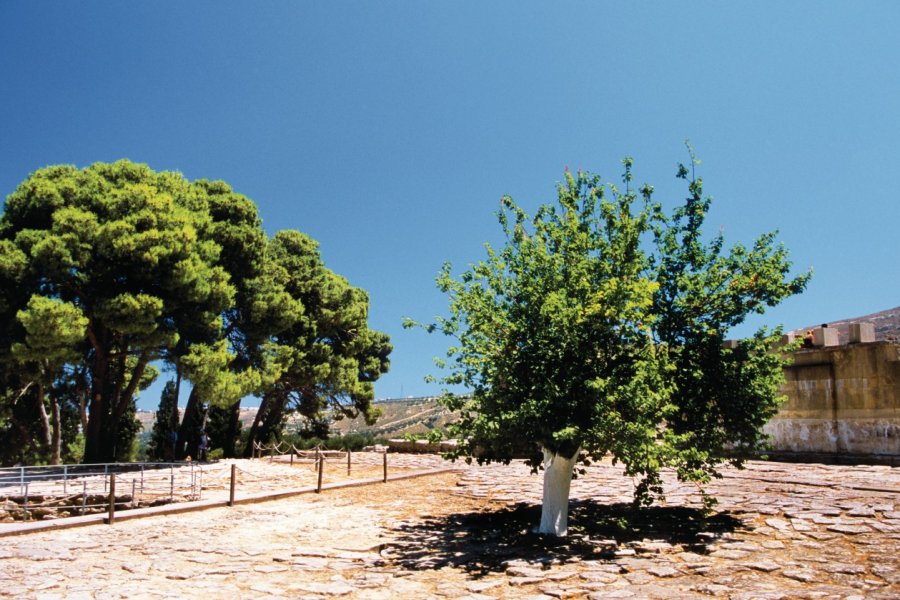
pixel 598 329
pixel 106 270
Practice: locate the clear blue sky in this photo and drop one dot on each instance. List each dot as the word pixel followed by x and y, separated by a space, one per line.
pixel 388 131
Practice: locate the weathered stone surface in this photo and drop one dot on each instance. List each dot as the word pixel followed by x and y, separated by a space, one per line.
pixel 332 588
pixel 517 571
pixel 804 575
pixel 779 524
pixel 663 571
pixel 849 569
pixel 619 593
pixel 766 566
pixel 848 528
pixel 425 538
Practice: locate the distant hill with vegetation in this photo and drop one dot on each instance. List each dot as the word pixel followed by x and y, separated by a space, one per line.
pixel 400 417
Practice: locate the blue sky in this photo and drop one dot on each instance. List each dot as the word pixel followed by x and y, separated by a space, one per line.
pixel 389 131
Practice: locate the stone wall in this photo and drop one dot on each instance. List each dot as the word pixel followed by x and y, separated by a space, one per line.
pixel 842 400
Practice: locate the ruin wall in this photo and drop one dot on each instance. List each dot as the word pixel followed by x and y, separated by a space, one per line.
pixel 841 400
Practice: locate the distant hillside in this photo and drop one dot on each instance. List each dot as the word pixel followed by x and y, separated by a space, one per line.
pixel 887 325
pixel 400 417
pixel 148 417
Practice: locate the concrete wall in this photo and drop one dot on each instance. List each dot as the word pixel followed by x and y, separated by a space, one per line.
pixel 842 400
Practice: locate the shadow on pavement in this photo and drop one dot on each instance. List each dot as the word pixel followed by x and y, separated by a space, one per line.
pixel 485 542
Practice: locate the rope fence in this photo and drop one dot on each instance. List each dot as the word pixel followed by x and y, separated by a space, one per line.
pixel 313 456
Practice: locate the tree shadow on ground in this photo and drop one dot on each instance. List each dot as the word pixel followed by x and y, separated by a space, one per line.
pixel 485 542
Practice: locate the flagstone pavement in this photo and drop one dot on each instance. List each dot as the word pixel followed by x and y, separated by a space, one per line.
pixel 779 531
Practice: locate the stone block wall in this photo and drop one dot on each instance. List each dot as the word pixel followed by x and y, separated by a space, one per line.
pixel 841 400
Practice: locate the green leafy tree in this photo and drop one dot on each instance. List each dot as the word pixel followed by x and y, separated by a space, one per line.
pixel 134 267
pixel 130 250
pixel 329 357
pixel 53 331
pixel 242 361
pixel 161 447
pixel 597 329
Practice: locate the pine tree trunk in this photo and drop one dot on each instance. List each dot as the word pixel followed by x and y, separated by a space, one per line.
pixel 46 437
pixel 229 448
pixel 96 447
pixel 189 434
pixel 55 445
pixel 257 423
pixel 557 480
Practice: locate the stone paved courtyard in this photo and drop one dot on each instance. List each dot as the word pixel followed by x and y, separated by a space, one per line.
pixel 779 531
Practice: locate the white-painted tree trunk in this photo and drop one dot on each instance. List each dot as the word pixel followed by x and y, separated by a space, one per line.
pixel 557 480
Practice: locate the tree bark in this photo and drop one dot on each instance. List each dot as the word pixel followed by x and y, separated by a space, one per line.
pixel 55 449
pixel 229 448
pixel 268 417
pixel 257 423
pixel 46 437
pixel 95 448
pixel 557 481
pixel 189 433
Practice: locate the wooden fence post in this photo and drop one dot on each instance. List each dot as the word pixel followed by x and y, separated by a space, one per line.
pixel 348 462
pixel 385 467
pixel 321 470
pixel 112 499
pixel 231 490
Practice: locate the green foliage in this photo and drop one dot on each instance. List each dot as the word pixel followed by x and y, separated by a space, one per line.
pixel 599 327
pixel 106 269
pixel 160 446
pixel 329 359
pixel 74 449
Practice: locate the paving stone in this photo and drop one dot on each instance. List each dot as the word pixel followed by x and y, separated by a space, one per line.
pixel 848 528
pixel 598 577
pixel 730 554
pixel 779 524
pixel 519 581
pixel 713 589
pixel 620 593
pixel 663 571
pixel 775 549
pixel 517 571
pixel 332 588
pixel 889 573
pixel 862 511
pixel 765 566
pixel 563 592
pixel 483 586
pixel 845 568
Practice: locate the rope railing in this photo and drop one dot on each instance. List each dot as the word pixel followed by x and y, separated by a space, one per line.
pixel 283 448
